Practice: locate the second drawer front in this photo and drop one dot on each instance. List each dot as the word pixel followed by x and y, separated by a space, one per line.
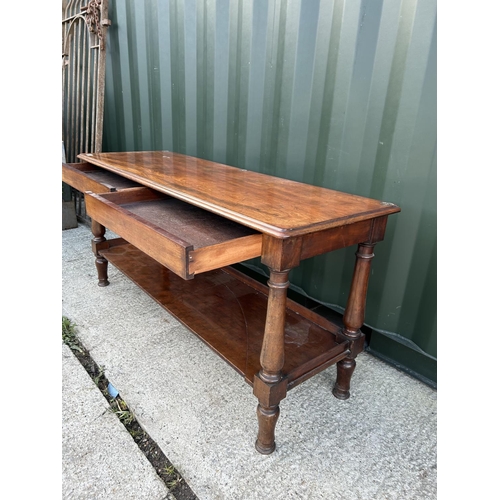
pixel 86 177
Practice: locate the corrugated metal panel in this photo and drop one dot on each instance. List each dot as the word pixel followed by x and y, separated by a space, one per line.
pixel 339 93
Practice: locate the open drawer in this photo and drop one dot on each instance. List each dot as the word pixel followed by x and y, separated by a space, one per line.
pixel 87 177
pixel 186 239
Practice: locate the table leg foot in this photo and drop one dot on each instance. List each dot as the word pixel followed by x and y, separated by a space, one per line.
pixel 345 369
pixel 102 271
pixel 267 418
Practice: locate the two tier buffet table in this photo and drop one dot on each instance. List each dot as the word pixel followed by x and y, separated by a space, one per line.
pixel 183 222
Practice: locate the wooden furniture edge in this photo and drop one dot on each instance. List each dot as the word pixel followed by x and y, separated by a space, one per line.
pixel 386 208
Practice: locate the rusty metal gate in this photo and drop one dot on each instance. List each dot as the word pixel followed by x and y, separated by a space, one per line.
pixel 84 27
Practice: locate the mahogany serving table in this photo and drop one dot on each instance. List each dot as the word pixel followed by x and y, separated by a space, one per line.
pixel 183 221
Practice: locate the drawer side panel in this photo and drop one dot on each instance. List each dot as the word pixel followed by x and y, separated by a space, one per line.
pixel 164 248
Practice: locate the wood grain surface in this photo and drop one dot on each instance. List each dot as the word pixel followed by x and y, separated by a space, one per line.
pixel 271 205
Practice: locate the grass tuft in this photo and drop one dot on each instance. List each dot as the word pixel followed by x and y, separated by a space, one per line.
pixel 69 335
pixel 121 410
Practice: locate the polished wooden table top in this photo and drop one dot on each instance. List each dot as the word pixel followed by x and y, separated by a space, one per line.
pixel 271 205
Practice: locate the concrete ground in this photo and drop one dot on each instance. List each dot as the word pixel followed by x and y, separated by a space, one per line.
pixel 379 444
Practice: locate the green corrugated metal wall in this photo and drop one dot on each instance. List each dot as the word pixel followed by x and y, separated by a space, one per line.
pixel 339 93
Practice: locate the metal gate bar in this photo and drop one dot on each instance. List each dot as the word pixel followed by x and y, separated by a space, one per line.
pixel 84 28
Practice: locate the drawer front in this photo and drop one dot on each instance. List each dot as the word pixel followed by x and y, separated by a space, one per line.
pixel 224 254
pixel 86 177
pixel 185 239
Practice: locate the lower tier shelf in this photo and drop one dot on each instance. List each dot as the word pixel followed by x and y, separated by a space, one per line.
pixel 227 310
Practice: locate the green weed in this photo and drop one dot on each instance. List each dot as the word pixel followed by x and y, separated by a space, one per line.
pixel 120 409
pixel 174 475
pixel 69 335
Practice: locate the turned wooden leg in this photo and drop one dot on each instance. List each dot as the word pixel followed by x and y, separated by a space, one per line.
pixel 353 319
pixel 269 384
pixel 345 369
pixel 98 230
pixel 267 418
